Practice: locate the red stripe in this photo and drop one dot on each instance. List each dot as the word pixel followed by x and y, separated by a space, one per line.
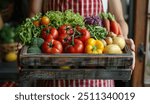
pixel 80 6
pixel 56 83
pixel 91 83
pixel 81 83
pixel 71 83
pixel 105 81
pixel 85 6
pixel 77 83
pixel 61 83
pixel 58 4
pixel 66 83
pixel 69 4
pixel 75 6
pixel 94 8
pixel 90 6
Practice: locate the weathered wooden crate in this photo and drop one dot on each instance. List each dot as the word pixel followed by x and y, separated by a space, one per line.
pixel 81 66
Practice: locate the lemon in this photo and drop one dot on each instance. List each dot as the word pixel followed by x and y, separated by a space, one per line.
pixel 65 68
pixel 11 56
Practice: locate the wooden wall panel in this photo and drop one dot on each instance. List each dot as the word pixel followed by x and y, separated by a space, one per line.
pixel 140 37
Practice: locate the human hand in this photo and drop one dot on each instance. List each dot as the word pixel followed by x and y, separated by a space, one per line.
pixel 131 45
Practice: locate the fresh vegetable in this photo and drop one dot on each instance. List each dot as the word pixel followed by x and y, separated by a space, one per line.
pixel 7 34
pixel 119 41
pixel 36 23
pixel 37 41
pixel 93 20
pixel 67 17
pixel 47 31
pixel 74 46
pixel 52 46
pixel 111 34
pixel 35 46
pixel 119 30
pixel 34 49
pixel 112 49
pixel 113 24
pixel 64 39
pixel 44 20
pixel 105 21
pixel 109 40
pixel 94 46
pixel 97 32
pixel 32 27
pixel 27 30
pixel 104 42
pixel 66 29
pixel 83 34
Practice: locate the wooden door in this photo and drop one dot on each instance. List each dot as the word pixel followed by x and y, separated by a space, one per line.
pixel 140 40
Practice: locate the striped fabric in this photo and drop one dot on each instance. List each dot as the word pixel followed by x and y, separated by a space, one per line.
pixel 75 83
pixel 85 8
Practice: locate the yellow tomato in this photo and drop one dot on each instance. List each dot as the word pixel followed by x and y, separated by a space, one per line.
pixel 45 20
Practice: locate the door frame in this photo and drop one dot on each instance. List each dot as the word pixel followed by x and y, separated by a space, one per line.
pixel 140 31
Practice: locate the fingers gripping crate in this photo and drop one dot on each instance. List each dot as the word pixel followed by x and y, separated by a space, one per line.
pixel 81 66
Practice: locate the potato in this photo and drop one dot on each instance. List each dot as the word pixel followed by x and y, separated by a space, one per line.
pixel 109 40
pixel 112 49
pixel 120 41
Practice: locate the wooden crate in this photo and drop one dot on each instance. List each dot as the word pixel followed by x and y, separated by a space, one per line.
pixel 81 66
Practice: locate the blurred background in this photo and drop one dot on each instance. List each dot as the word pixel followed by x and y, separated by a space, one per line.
pixel 136 13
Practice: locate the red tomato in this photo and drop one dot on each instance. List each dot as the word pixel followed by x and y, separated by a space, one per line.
pixel 52 46
pixel 83 34
pixel 75 47
pixel 64 39
pixel 66 29
pixel 49 31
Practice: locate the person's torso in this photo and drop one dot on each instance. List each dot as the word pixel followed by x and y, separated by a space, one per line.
pixel 84 7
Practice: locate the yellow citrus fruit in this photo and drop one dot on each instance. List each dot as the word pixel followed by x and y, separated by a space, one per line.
pixel 65 68
pixel 11 56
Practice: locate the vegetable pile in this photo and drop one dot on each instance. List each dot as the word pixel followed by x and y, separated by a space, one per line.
pixel 7 34
pixel 68 32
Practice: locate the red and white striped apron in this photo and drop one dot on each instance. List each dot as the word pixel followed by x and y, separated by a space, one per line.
pixel 85 8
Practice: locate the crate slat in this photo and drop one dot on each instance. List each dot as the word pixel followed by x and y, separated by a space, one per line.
pixel 81 66
pixel 65 59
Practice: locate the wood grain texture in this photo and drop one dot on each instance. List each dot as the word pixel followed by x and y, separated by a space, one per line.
pixel 140 37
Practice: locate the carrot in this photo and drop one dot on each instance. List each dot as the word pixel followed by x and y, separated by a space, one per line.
pixel 113 24
pixel 105 21
pixel 119 30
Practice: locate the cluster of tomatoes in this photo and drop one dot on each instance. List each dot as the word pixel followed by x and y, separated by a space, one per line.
pixel 65 39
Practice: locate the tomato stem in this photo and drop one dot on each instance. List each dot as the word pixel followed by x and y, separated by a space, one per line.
pixel 50 44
